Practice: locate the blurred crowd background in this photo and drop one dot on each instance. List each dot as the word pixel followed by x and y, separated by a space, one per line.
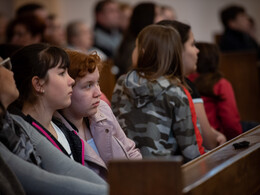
pixel 202 15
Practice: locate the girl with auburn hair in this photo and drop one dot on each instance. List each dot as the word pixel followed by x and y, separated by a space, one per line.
pixel 36 167
pixel 151 102
pixel 211 137
pixel 92 118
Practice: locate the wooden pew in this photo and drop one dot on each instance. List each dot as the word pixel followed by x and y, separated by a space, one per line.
pixel 145 177
pixel 107 79
pixel 225 170
pixel 241 69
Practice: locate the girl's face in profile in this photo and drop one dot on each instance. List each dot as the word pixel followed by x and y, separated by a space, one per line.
pixel 8 90
pixel 135 54
pixel 190 55
pixel 86 95
pixel 58 88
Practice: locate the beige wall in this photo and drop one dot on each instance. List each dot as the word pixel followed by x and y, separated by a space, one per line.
pixel 202 15
pixel 52 5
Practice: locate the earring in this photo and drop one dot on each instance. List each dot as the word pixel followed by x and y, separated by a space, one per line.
pixel 41 90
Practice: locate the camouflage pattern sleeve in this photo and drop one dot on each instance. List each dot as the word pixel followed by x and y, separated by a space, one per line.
pixel 160 123
pixel 183 129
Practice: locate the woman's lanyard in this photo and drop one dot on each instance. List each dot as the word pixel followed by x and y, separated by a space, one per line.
pixel 46 134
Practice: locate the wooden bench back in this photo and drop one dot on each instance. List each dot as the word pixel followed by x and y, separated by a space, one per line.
pixel 241 69
pixel 225 170
pixel 107 79
pixel 145 177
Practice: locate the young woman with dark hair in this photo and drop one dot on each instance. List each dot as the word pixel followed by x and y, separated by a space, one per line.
pixel 41 76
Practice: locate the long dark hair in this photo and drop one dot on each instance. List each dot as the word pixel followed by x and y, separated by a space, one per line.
pixel 142 16
pixel 207 67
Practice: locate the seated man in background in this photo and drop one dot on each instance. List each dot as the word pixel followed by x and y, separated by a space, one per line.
pixel 80 38
pixel 107 33
pixel 236 36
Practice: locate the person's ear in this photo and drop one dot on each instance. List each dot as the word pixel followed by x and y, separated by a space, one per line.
pixel 37 84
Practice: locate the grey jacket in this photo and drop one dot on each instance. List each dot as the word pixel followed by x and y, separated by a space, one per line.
pixel 156 115
pixel 58 175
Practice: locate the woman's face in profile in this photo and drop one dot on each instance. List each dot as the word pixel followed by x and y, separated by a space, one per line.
pixel 8 90
pixel 189 55
pixel 58 89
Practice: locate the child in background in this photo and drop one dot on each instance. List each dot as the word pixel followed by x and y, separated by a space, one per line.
pixel 211 137
pixel 217 92
pixel 151 103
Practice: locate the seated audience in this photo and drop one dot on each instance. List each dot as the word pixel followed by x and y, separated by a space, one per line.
pixel 151 103
pixel 25 30
pixel 107 35
pixel 211 137
pixel 39 167
pixel 144 14
pixel 237 26
pixel 41 76
pixel 80 38
pixel 55 33
pixel 217 92
pixel 93 119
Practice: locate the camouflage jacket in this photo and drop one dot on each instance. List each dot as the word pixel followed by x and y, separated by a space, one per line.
pixel 156 115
